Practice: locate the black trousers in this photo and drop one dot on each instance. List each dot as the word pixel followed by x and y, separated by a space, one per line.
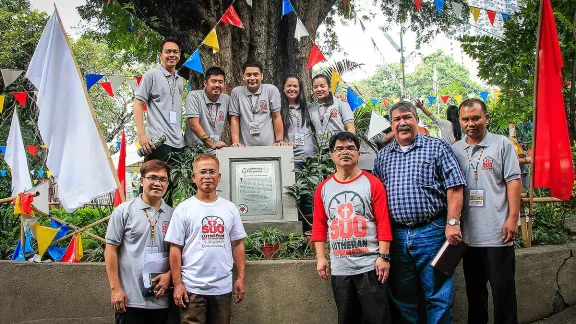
pixel 163 153
pixel 361 298
pixel 142 316
pixel 494 265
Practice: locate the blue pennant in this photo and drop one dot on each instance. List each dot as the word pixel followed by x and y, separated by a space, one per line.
pixel 353 99
pixel 40 173
pixel 91 79
pixel 439 6
pixel 374 101
pixel 3 149
pixel 484 95
pixel 118 145
pixel 18 252
pixel 56 252
pixel 286 7
pixel 431 100
pixel 3 172
pixel 505 16
pixel 195 63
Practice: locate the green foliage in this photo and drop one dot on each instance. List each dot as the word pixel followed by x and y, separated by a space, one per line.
pixel 181 175
pixel 548 224
pixel 292 246
pixel 9 231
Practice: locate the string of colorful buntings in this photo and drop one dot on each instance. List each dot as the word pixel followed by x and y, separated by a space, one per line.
pixel 457 9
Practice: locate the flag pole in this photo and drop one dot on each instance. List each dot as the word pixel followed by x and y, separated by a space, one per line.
pixel 112 169
pixel 528 243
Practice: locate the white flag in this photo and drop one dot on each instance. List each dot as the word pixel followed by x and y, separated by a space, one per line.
pixel 10 76
pixel 457 7
pixel 15 157
pixel 76 157
pixel 377 125
pixel 300 30
pixel 249 2
pixel 133 84
pixel 116 82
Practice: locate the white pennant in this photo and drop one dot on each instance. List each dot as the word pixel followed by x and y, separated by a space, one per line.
pixel 457 7
pixel 133 84
pixel 249 2
pixel 377 125
pixel 10 76
pixel 471 95
pixel 300 30
pixel 116 82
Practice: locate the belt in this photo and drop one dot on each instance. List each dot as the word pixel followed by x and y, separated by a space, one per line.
pixel 442 215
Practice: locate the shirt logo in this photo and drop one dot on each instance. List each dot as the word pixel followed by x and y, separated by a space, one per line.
pixel 333 113
pixel 488 164
pixel 264 106
pixel 345 210
pixel 213 232
pixel 220 116
pixel 165 227
pixel 243 209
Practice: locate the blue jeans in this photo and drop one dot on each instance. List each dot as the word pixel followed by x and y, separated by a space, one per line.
pixel 412 278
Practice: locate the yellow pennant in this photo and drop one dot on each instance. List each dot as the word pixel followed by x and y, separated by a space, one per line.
pixel 49 174
pixel 212 40
pixel 396 100
pixel 496 94
pixel 79 250
pixel 458 98
pixel 44 146
pixel 44 236
pixel 18 206
pixel 475 12
pixel 137 145
pixel 1 103
pixel 334 80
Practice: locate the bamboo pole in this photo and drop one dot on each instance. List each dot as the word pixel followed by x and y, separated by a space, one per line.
pixel 96 237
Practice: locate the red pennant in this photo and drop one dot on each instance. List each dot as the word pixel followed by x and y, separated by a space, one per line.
pixel 445 98
pixel 26 200
pixel 418 4
pixel 315 57
pixel 108 87
pixel 138 80
pixel 20 97
pixel 70 254
pixel 32 149
pixel 144 107
pixel 491 16
pixel 231 17
pixel 386 102
pixel 121 170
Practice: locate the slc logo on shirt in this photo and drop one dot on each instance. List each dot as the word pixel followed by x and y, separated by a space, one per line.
pixel 488 164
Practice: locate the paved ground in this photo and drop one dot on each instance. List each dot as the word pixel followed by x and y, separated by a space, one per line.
pixel 567 316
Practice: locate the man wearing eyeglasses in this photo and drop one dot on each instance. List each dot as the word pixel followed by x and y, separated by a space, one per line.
pixel 350 207
pixel 425 193
pixel 206 241
pixel 135 232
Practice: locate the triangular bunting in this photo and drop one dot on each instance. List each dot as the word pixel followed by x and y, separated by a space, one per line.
pixel 374 101
pixel 63 229
pixel 439 6
pixel 475 13
pixel 496 94
pixel 56 252
pixel 1 103
pixel 377 125
pixel 458 98
pixel 3 173
pixel 300 30
pixel 194 62
pixel 457 7
pixel 20 97
pixel 231 17
pixel 471 95
pixel 286 7
pixel 315 57
pixel 431 100
pixel 9 76
pixel 396 100
pixel 505 16
pixel 32 149
pixel 28 245
pixel 353 99
pixel 108 87
pixel 92 79
pixel 211 40
pixel 418 4
pixel 335 78
pixel 48 174
pixel 116 82
pixel 139 79
pixel 41 173
pixel 74 252
pixel 18 252
pixel 484 95
pixel 44 236
pixel 445 98
pixel 491 16
pixel 3 149
pixel 249 2
pixel 386 102
pixel 133 83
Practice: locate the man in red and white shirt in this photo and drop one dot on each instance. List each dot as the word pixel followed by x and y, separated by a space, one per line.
pixel 350 208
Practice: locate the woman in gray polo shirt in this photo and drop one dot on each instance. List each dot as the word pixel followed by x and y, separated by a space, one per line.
pixel 330 115
pixel 450 129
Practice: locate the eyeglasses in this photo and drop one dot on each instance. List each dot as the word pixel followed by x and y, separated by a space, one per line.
pixel 341 149
pixel 155 179
pixel 211 172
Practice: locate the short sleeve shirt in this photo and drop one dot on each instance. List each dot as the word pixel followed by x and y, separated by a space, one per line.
pixel 162 93
pixel 301 151
pixel 255 108
pixel 205 231
pixel 496 162
pixel 328 120
pixel 212 115
pixel 130 230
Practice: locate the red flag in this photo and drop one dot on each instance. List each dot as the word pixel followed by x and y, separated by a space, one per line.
pixel 32 149
pixel 418 4
pixel 108 87
pixel 231 17
pixel 552 156
pixel 144 107
pixel 74 251
pixel 445 98
pixel 315 56
pixel 386 102
pixel 138 79
pixel 121 170
pixel 20 97
pixel 491 16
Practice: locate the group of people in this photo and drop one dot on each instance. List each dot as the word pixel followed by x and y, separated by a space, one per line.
pixel 383 228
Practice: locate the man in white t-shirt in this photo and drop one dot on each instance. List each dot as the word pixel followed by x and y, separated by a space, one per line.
pixel 206 235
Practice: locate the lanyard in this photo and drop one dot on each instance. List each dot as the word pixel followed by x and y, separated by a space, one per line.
pixel 298 118
pixel 254 110
pixel 172 89
pixel 474 167
pixel 152 224
pixel 321 118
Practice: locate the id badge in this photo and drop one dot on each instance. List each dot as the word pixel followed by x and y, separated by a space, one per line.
pixel 299 138
pixel 173 119
pixel 254 128
pixel 152 249
pixel 476 198
pixel 215 138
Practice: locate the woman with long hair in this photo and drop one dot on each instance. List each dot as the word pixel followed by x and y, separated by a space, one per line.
pixel 450 130
pixel 330 115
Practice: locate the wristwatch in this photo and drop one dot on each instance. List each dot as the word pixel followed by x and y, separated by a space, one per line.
pixel 385 256
pixel 453 222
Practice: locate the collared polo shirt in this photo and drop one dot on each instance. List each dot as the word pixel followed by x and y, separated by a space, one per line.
pixel 298 127
pixel 496 162
pixel 255 107
pixel 328 120
pixel 212 115
pixel 162 93
pixel 129 229
pixel 416 180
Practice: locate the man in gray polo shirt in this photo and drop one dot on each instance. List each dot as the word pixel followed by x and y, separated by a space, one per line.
pixel 206 110
pixel 135 234
pixel 161 90
pixel 255 110
pixel 489 215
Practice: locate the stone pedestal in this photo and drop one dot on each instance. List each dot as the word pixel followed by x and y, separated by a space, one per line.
pixel 254 179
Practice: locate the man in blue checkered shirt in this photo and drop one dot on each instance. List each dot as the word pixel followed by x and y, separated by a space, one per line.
pixel 424 185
